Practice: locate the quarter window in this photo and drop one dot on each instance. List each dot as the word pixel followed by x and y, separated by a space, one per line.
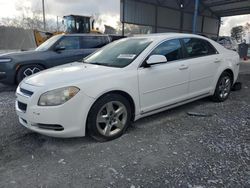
pixel 211 49
pixel 198 47
pixel 170 49
pixel 92 42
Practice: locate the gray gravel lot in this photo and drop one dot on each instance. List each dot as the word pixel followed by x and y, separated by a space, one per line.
pixel 170 149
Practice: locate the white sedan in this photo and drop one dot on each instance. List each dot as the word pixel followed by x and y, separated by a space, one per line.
pixel 123 82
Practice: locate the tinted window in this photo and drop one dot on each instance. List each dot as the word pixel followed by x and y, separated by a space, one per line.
pixel 170 49
pixel 48 43
pixel 70 43
pixel 92 42
pixel 198 47
pixel 211 49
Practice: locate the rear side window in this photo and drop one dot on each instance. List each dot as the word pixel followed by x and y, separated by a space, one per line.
pixel 170 49
pixel 198 47
pixel 211 49
pixel 92 42
pixel 70 43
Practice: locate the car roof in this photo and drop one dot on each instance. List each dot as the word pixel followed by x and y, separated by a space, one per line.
pixel 85 34
pixel 168 35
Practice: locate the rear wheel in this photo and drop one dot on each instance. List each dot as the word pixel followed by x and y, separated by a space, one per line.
pixel 109 117
pixel 26 71
pixel 223 87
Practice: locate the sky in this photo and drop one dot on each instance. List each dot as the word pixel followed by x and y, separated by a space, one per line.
pixel 109 10
pixel 229 22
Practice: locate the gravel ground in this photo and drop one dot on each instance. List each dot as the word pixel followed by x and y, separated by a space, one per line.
pixel 170 149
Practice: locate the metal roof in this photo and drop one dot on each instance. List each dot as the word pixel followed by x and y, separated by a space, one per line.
pixel 223 8
pixel 197 16
pixel 219 8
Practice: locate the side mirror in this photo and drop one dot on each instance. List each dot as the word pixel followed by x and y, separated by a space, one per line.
pixel 156 59
pixel 59 48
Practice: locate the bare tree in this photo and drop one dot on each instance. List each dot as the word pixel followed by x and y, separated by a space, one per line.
pixel 29 19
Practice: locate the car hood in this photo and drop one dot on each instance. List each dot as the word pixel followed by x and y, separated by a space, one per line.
pixel 69 74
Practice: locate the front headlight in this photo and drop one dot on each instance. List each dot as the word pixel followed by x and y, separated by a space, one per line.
pixel 57 96
pixel 5 60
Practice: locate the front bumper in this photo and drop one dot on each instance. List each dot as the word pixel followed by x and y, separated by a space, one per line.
pixel 3 76
pixel 7 73
pixel 71 116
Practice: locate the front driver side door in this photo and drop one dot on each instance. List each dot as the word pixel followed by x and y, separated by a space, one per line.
pixel 163 84
pixel 70 53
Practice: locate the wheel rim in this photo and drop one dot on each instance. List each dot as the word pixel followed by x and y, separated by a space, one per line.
pixel 225 87
pixel 111 118
pixel 29 71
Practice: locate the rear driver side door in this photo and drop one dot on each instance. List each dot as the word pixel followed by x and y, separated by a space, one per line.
pixel 90 44
pixel 203 60
pixel 163 84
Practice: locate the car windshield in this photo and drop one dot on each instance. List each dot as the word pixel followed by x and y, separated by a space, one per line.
pixel 48 43
pixel 119 53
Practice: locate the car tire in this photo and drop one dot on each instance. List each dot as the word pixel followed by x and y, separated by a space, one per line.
pixel 109 117
pixel 27 70
pixel 223 88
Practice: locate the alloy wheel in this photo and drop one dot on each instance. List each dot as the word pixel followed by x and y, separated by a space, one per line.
pixel 111 118
pixel 225 87
pixel 30 71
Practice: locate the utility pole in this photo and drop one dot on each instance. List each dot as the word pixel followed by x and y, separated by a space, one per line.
pixel 57 24
pixel 44 24
pixel 197 2
pixel 123 18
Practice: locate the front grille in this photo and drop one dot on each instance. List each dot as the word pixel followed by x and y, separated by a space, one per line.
pixel 50 127
pixel 22 106
pixel 26 92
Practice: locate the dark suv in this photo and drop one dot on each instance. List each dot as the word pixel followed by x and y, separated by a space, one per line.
pixel 58 50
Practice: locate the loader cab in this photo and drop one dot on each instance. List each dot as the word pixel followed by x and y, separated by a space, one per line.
pixel 78 24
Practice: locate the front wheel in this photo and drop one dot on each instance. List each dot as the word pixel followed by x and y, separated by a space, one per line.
pixel 27 70
pixel 109 117
pixel 223 88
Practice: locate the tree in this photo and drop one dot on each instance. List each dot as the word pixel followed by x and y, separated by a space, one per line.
pixel 247 27
pixel 237 32
pixel 29 19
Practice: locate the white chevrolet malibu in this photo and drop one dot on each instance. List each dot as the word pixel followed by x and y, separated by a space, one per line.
pixel 123 82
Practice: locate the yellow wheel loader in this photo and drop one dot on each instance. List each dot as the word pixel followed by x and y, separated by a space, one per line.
pixel 73 24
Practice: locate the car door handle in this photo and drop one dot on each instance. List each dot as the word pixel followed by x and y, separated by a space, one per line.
pixel 217 61
pixel 183 67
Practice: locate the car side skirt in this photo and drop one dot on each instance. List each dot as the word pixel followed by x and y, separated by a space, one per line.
pixel 164 108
